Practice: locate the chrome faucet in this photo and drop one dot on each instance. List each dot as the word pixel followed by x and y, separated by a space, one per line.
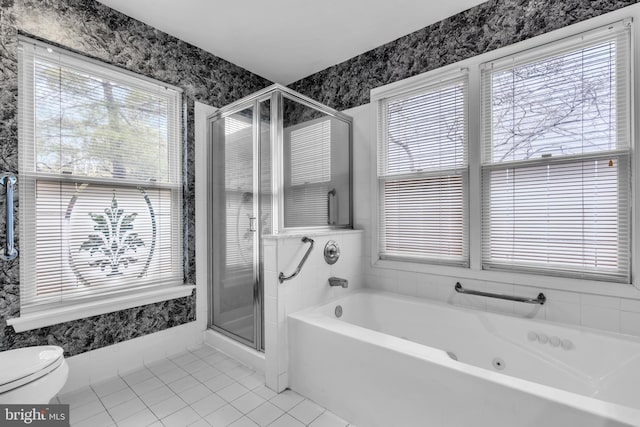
pixel 337 281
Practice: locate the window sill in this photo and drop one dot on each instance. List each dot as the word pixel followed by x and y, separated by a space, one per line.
pixel 67 313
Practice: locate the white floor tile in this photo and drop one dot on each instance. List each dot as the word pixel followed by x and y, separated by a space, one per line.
pixel 227 365
pixel 306 411
pixel 218 383
pixel 287 400
pixel 214 358
pixel 141 419
pixel 201 388
pixel 207 373
pixel 265 392
pixel 209 404
pixel 101 419
pixel 286 421
pixel 117 398
pixel 160 366
pixel 88 410
pixel 204 351
pixel 252 381
pixel 183 384
pixel 328 419
pixel 184 358
pixel 200 423
pixel 248 402
pixel 223 416
pixel 194 394
pixel 138 376
pixel 183 417
pixel 239 372
pixel 127 409
pixel 232 392
pixel 157 395
pixel 110 386
pixel 265 414
pixel 173 375
pixel 243 422
pixel 196 366
pixel 79 397
pixel 147 385
pixel 168 407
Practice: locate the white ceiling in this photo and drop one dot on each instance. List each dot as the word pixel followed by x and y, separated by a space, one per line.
pixel 286 40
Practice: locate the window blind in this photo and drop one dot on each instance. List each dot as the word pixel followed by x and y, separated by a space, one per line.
pixel 423 174
pixel 556 166
pixel 101 179
pixel 308 183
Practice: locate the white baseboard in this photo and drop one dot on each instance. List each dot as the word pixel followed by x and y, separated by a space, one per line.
pixel 107 362
pixel 240 352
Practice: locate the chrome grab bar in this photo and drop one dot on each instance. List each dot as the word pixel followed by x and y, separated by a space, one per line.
pixel 9 253
pixel 541 299
pixel 330 193
pixel 282 277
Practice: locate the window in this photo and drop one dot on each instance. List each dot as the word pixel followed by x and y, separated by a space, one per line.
pixel 556 161
pixel 100 180
pixel 423 173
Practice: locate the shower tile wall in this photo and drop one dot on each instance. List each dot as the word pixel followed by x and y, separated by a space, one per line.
pixel 309 288
pixel 98 31
pixel 486 27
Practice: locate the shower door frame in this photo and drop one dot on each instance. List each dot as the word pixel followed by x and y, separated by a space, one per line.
pixel 274 94
pixel 258 291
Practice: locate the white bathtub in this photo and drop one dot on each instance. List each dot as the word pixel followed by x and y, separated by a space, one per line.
pixel 385 363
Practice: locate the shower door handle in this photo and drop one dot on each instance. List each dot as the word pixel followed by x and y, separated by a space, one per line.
pixel 252 224
pixel 9 253
pixel 330 193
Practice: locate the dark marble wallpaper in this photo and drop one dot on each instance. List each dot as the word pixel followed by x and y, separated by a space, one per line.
pixel 488 26
pixel 95 30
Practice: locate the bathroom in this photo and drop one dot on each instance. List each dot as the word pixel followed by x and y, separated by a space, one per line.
pixel 386 288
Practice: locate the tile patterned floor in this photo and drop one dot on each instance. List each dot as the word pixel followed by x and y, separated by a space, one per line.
pixel 201 387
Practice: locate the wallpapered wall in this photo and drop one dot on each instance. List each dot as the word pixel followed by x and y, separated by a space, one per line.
pixel 488 26
pixel 93 29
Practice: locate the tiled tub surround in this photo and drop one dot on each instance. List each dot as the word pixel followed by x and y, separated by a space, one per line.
pixel 307 289
pixel 200 387
pixel 483 28
pixel 95 30
pixel 570 307
pixel 451 366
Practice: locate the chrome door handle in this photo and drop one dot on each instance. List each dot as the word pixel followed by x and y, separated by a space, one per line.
pixel 9 253
pixel 330 193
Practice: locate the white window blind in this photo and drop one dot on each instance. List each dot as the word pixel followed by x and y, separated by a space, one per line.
pixel 308 184
pixel 556 162
pixel 423 173
pixel 100 179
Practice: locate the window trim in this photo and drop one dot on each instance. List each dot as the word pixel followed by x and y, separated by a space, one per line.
pixel 377 266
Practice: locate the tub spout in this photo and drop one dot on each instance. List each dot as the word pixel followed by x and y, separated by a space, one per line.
pixel 337 281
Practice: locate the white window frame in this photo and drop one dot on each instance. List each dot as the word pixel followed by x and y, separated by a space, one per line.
pixel 52 313
pixel 448 274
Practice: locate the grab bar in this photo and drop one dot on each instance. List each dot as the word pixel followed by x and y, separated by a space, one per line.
pixel 540 300
pixel 282 277
pixel 9 253
pixel 330 193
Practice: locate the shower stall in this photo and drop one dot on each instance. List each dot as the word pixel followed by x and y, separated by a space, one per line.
pixel 279 163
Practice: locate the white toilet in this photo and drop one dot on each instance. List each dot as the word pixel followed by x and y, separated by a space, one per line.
pixel 32 375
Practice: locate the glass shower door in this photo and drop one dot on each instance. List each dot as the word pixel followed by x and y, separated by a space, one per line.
pixel 234 203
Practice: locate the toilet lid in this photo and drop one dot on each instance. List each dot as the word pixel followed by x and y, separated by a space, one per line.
pixel 23 365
